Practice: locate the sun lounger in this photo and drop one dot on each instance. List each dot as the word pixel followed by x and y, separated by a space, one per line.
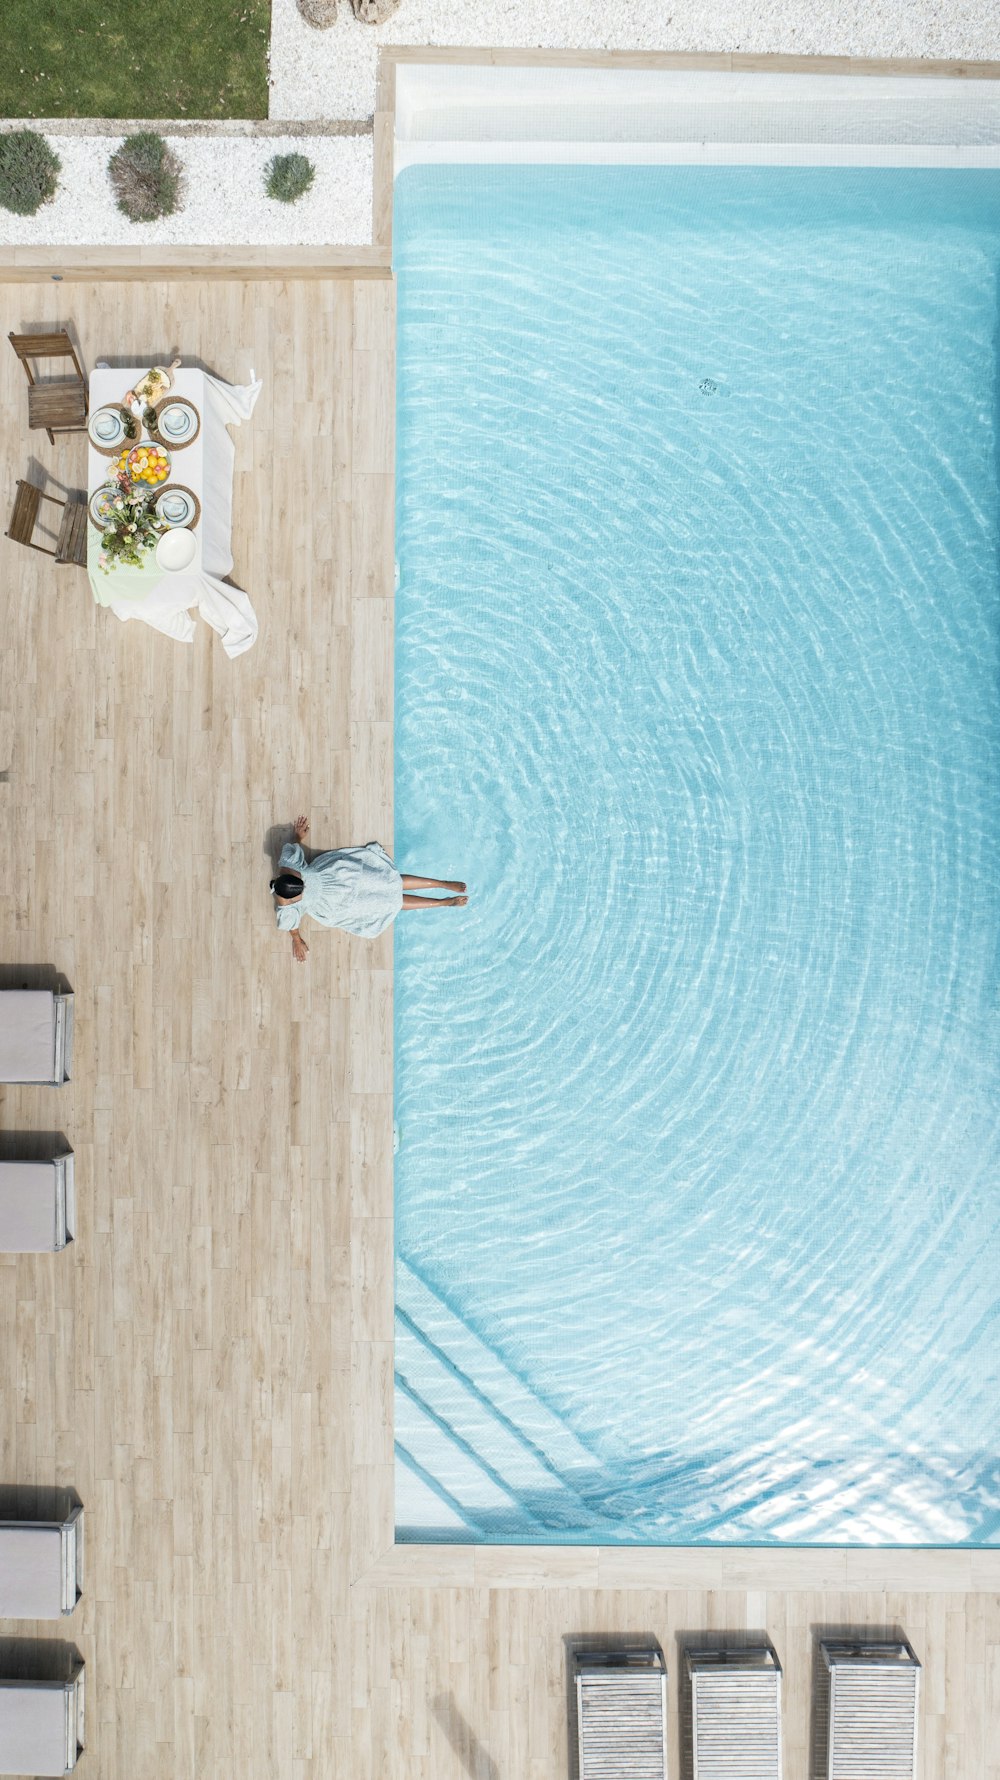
pixel 621 1712
pixel 41 1725
pixel 735 1713
pixel 873 1699
pixel 36 1036
pixel 37 1206
pixel 41 1567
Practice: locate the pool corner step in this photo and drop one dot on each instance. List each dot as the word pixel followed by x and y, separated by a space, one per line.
pixel 475 1429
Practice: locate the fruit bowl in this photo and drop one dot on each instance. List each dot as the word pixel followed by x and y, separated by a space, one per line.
pixel 145 465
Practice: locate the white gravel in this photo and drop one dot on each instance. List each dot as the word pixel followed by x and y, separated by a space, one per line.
pixel 224 201
pixel 324 75
pixel 331 74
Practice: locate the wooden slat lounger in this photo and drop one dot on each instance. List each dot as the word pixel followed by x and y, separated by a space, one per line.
pixel 873 1700
pixel 735 1713
pixel 621 1706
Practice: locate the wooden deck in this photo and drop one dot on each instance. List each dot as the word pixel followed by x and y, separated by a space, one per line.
pixel 210 1364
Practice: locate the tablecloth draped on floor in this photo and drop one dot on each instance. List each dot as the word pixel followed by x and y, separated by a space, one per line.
pixel 164 601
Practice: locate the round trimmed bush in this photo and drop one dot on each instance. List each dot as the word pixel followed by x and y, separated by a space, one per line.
pixel 288 177
pixel 29 171
pixel 145 177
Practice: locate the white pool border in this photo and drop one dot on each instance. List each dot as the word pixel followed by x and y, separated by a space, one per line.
pixel 498 113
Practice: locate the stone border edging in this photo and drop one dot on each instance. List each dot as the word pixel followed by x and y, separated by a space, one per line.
pixel 223 127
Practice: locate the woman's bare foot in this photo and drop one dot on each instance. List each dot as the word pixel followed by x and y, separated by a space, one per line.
pixel 452 884
pixel 454 902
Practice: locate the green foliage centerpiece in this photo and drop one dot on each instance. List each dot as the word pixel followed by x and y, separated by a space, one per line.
pixel 131 528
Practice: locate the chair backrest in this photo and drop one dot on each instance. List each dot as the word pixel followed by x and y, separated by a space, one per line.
pixel 873 1700
pixel 29 346
pixel 24 516
pixel 735 1713
pixel 621 1707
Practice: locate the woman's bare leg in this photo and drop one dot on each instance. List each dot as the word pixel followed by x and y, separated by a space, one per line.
pixel 431 883
pixel 433 902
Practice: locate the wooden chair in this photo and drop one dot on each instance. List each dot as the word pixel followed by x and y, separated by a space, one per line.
pixel 71 543
pixel 59 405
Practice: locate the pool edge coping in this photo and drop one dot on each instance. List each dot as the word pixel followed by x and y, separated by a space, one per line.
pixel 377 1560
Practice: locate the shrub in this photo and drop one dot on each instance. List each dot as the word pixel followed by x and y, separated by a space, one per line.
pixel 288 177
pixel 145 177
pixel 29 169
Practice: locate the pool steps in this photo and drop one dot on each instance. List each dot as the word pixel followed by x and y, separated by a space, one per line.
pixel 456 1402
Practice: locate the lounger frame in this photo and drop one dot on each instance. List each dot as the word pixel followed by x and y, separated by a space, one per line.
pixel 62 1042
pixel 67 1700
pixel 735 1713
pixel 621 1714
pixel 70 1533
pixel 54 1180
pixel 873 1709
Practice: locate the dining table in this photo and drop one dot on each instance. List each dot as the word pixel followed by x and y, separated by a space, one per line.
pixel 158 595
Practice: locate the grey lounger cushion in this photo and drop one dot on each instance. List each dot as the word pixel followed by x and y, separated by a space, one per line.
pixel 37 1206
pixel 41 1725
pixel 735 1713
pixel 40 1567
pixel 36 1030
pixel 621 1706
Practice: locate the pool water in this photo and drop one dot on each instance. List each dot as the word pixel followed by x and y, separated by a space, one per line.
pixel 698 1171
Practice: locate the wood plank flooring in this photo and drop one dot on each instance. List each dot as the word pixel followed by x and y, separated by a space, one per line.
pixel 210 1364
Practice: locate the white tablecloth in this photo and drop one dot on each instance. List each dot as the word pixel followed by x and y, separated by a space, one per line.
pixel 162 600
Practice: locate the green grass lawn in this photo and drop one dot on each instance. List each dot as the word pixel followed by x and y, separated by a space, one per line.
pixel 150 59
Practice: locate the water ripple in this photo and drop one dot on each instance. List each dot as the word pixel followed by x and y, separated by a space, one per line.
pixel 697 684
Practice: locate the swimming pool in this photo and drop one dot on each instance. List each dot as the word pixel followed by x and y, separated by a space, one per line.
pixel 698 1170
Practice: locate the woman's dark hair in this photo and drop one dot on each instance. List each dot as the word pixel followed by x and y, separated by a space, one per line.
pixel 287 883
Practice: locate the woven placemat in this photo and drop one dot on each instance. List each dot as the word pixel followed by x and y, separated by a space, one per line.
pixel 179 488
pixel 152 426
pixel 113 450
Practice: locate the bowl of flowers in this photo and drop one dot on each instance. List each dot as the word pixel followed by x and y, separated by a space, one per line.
pixel 132 527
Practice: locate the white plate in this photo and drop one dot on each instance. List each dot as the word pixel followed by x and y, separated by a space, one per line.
pixel 175 507
pixel 176 423
pixel 107 428
pixel 176 550
pixel 100 503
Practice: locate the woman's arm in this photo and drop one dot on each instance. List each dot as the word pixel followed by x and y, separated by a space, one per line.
pixel 300 950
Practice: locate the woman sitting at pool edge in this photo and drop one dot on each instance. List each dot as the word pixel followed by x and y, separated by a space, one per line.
pixel 356 888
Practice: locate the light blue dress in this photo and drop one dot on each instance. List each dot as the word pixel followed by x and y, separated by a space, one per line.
pixel 357 888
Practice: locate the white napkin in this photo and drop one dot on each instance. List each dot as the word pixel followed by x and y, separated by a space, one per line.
pixel 228 610
pixel 237 400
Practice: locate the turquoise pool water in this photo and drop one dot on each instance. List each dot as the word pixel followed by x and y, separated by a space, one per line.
pixel 698 1171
